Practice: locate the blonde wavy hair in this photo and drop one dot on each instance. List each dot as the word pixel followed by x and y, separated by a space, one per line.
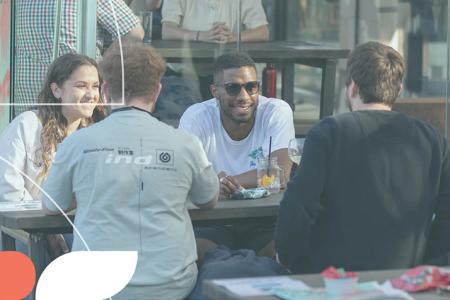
pixel 54 124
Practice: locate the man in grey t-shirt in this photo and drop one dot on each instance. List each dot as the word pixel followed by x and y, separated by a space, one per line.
pixel 131 177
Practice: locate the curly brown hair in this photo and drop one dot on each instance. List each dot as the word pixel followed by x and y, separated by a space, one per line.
pixel 54 124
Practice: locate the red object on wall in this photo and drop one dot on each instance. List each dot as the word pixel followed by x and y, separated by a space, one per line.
pixel 269 81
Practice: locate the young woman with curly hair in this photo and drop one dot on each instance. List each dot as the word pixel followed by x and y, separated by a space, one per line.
pixel 30 141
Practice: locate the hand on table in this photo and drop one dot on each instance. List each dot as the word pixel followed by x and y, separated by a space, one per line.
pixel 57 245
pixel 228 185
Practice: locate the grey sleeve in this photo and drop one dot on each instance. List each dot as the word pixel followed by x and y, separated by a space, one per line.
pixel 204 186
pixel 205 183
pixel 253 14
pixel 172 11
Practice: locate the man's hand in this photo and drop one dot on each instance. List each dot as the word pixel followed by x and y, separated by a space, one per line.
pixel 57 245
pixel 228 185
pixel 226 36
pixel 210 36
pixel 277 258
pixel 219 33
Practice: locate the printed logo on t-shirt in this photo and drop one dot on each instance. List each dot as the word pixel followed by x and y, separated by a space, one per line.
pixel 128 159
pixel 157 159
pixel 164 157
pixel 127 155
pixel 125 151
pixel 254 155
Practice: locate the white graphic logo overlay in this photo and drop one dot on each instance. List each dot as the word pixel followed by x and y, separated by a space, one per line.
pixel 92 275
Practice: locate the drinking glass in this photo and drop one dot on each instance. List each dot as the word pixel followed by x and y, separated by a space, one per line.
pixel 269 174
pixel 147 24
pixel 295 151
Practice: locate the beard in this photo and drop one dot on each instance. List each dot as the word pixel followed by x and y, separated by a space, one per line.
pixel 230 114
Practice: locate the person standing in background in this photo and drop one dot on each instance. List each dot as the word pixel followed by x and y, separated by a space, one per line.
pixel 35 30
pixel 214 21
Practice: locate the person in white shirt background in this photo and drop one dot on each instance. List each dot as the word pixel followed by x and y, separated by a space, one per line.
pixel 214 21
pixel 29 142
pixel 210 21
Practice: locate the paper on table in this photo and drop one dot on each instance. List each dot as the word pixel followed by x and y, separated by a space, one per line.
pixel 259 286
pixel 365 291
pixel 20 205
pixel 390 290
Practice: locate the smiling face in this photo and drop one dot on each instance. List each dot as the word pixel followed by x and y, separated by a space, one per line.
pixel 239 109
pixel 81 89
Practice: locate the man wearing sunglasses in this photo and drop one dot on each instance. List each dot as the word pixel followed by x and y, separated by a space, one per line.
pixel 235 129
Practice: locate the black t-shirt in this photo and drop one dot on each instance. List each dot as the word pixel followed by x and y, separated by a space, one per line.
pixel 365 193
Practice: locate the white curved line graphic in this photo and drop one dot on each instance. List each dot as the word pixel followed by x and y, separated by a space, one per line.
pixel 51 199
pixel 120 47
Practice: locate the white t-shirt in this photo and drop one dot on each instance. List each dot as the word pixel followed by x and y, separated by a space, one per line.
pixel 273 118
pixel 20 145
pixel 202 14
pixel 132 177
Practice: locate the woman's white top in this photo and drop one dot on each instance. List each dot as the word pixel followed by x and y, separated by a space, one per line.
pixel 20 146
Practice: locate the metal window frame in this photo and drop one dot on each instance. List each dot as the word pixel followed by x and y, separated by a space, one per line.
pixel 87 27
pixel 12 45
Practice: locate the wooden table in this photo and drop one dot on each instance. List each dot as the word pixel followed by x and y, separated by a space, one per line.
pixel 216 292
pixel 30 227
pixel 285 54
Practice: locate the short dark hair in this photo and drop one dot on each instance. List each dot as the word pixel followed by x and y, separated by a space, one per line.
pixel 377 70
pixel 231 61
pixel 143 68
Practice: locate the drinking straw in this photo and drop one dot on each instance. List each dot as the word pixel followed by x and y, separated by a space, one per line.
pixel 270 151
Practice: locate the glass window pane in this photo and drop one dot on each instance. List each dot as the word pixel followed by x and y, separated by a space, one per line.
pixel 5 61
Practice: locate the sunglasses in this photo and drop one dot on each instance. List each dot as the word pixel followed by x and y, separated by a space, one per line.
pixel 234 89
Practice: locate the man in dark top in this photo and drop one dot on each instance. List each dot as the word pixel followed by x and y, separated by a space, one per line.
pixel 370 181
